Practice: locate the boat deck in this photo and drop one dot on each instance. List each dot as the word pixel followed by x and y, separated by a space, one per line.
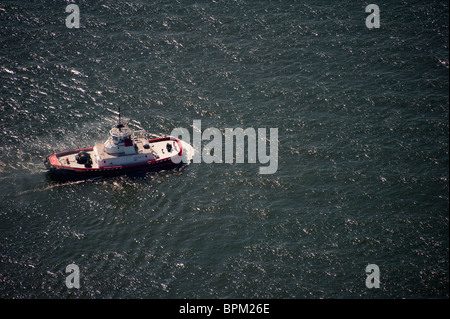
pixel 157 150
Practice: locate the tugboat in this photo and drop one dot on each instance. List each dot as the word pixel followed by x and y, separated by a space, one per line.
pixel 125 151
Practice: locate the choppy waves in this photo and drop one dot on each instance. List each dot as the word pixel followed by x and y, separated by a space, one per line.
pixel 363 150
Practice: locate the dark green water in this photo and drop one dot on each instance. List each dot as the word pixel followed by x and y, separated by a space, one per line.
pixel 363 125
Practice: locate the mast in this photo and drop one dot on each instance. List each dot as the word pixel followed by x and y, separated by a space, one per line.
pixel 120 125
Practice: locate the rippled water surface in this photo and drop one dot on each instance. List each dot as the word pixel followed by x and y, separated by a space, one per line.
pixel 363 166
